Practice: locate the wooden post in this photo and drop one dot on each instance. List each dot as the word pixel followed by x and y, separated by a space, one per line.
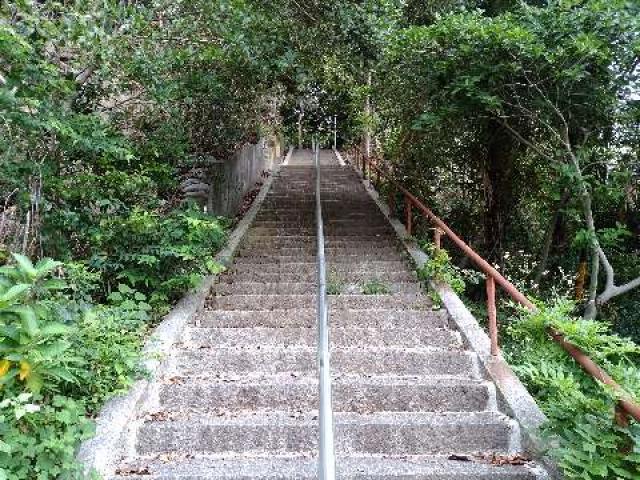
pixel 492 314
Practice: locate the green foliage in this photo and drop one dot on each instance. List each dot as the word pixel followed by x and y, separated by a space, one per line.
pixel 108 340
pixel 33 344
pixel 334 286
pixel 38 440
pixel 160 255
pixel 59 358
pixel 439 268
pixel 580 411
pixel 375 287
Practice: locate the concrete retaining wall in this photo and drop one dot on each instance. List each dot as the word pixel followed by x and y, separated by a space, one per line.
pixel 231 180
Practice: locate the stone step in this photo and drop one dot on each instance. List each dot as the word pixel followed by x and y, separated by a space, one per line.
pixel 404 319
pixel 329 239
pixel 311 249
pixel 203 337
pixel 328 223
pixel 356 395
pixel 342 231
pixel 309 215
pixel 335 285
pixel 364 266
pixel 335 256
pixel 299 360
pixel 364 243
pixel 202 467
pixel 380 433
pixel 398 301
pixel 311 277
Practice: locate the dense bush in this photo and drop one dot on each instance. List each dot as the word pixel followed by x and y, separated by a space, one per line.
pixel 580 410
pixel 160 255
pixel 62 355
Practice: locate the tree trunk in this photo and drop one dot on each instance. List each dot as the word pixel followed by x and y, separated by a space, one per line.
pixel 498 189
pixel 550 234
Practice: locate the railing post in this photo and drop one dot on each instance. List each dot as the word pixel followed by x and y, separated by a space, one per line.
pixel 437 238
pixel 622 420
pixel 492 314
pixel 409 214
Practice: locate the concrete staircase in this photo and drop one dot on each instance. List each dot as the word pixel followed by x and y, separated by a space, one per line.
pixel 240 397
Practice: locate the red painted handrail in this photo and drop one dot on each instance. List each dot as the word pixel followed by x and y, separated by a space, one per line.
pixel 626 404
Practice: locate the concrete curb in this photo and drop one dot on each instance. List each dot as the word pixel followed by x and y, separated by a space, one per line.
pixel 101 453
pixel 338 155
pixel 513 397
pixel 288 156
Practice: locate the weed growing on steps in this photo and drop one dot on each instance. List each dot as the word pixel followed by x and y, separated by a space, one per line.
pixel 439 269
pixel 335 286
pixel 375 287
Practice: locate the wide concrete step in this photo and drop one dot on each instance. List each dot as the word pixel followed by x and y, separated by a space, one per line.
pixel 202 337
pixel 301 242
pixel 202 467
pixel 331 256
pixel 363 266
pixel 311 277
pixel 306 215
pixel 373 318
pixel 298 288
pixel 311 249
pixel 282 433
pixel 301 360
pixel 350 394
pixel 354 222
pixel 398 301
pixel 297 239
pixel 342 231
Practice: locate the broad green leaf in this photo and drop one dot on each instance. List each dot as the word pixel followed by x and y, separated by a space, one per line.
pixel 46 265
pixel 25 265
pixel 34 382
pixel 62 374
pixel 14 292
pixel 28 319
pixel 52 329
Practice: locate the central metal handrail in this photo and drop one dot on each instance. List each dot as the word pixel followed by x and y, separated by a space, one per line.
pixel 327 459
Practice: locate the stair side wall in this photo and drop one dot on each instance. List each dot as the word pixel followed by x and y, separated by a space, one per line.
pixel 232 179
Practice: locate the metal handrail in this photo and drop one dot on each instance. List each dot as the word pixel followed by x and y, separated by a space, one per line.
pixel 326 460
pixel 626 405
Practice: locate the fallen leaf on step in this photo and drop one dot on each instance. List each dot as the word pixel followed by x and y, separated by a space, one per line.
pixel 460 458
pixel 129 471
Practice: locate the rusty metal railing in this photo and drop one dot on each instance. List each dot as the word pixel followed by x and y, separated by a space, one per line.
pixel 369 165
